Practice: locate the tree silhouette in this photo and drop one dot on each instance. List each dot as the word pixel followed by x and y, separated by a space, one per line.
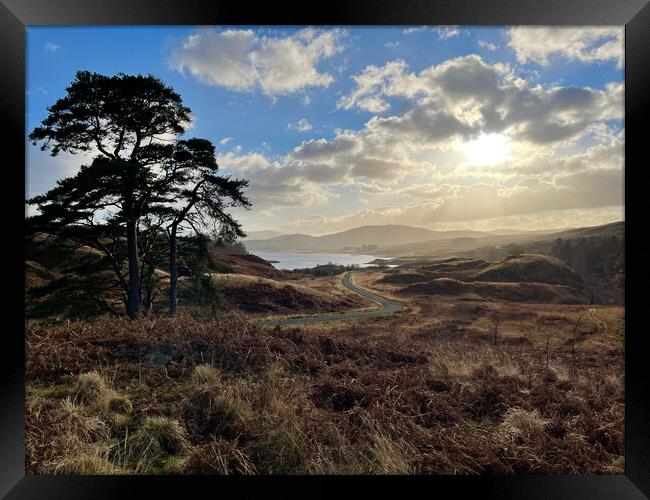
pixel 202 198
pixel 140 182
pixel 89 208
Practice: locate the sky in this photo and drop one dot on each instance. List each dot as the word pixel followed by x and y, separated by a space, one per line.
pixel 442 127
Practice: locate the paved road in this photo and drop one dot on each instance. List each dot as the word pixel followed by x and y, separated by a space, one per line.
pixel 386 306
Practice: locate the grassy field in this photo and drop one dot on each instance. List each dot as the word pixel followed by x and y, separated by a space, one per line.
pixel 423 392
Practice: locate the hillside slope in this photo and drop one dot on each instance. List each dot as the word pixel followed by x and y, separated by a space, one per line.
pixel 267 296
pixel 246 264
pixel 525 278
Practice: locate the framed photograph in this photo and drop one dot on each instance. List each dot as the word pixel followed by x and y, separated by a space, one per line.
pixel 384 240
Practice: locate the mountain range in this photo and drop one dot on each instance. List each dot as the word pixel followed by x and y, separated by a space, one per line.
pixel 402 239
pixel 357 239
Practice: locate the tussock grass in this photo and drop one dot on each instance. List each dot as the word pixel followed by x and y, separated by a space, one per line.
pixel 90 462
pixel 91 388
pixel 520 423
pixel 156 446
pixel 206 374
pixel 221 457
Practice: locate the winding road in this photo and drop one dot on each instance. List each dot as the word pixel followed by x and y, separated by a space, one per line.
pixel 386 306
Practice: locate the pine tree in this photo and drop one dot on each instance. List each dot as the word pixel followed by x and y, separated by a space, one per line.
pixel 119 118
pixel 203 198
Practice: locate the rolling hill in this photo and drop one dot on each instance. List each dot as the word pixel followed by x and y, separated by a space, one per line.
pixel 356 239
pixel 525 278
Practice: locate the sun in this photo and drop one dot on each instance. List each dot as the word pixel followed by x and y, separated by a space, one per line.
pixel 487 149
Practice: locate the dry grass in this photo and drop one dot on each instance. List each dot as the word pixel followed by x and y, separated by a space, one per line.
pixel 92 389
pixel 229 397
pixel 158 445
pixel 206 374
pixel 265 296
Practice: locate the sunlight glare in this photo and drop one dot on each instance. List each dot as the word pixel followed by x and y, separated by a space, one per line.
pixel 488 149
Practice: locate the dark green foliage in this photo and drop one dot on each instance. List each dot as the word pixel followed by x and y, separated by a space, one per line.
pixel 118 116
pixel 205 201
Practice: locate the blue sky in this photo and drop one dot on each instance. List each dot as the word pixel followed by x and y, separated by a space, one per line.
pixel 261 94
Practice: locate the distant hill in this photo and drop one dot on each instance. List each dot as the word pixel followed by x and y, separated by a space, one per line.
pixel 511 232
pixel 612 229
pixel 284 243
pixel 507 241
pixel 403 241
pixel 261 235
pixel 360 239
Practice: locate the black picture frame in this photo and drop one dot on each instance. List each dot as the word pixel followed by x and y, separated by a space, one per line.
pixel 16 15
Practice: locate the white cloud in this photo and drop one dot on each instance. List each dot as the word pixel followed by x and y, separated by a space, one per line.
pixel 301 125
pixel 487 45
pixel 588 44
pixel 372 83
pixel 414 29
pixel 274 185
pixel 572 200
pixel 550 219
pixel 448 32
pixel 39 90
pixel 466 96
pixel 391 45
pixel 419 153
pixel 241 60
pixel 225 141
pixel 444 32
pixel 51 47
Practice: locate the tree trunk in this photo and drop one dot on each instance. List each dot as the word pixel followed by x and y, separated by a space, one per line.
pixel 173 270
pixel 133 293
